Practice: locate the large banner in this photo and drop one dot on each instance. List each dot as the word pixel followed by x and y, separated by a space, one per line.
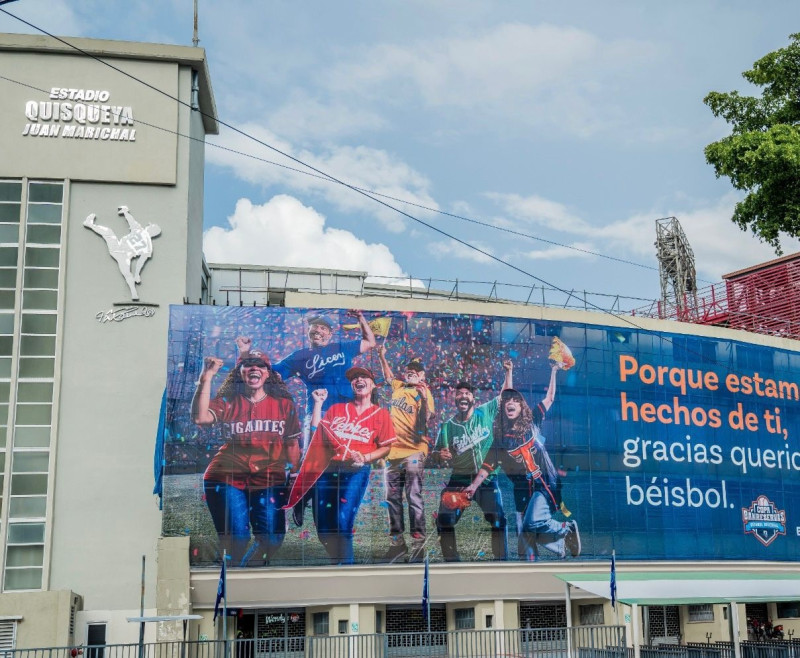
pixel 310 437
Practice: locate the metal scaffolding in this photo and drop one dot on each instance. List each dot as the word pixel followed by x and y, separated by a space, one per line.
pixel 676 268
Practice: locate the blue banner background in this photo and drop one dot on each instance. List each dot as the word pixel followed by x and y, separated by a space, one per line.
pixel 585 432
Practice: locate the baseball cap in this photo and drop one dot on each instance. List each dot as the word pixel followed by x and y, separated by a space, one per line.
pixel 415 364
pixel 253 357
pixel 511 393
pixel 320 318
pixel 358 371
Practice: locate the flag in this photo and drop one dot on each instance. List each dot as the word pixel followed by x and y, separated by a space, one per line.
pixel 158 456
pixel 613 581
pixel 426 600
pixel 220 589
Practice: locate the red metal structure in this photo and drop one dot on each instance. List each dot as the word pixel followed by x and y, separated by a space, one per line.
pixel 762 299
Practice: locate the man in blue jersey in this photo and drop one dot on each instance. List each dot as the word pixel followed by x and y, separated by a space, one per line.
pixel 323 364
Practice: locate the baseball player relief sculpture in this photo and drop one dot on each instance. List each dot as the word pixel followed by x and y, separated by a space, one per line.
pixel 136 245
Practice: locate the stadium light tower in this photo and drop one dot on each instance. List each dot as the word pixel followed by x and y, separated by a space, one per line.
pixel 676 268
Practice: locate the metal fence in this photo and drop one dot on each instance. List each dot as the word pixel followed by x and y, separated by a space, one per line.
pixel 577 642
pixel 749 649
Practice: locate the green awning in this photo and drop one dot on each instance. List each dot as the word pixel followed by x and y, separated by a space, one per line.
pixel 676 588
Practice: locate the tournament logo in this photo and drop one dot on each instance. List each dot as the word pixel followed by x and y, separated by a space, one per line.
pixel 764 520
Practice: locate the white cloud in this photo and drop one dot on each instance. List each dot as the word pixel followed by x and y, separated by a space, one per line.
pixel 539 211
pixel 359 166
pixel 305 118
pixel 452 249
pixel 718 244
pixel 284 232
pixel 534 73
pixel 561 253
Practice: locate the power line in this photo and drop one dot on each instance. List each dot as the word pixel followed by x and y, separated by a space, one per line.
pixel 439 211
pixel 328 177
pixel 316 170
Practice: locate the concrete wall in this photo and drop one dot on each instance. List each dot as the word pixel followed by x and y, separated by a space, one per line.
pixel 151 158
pixel 118 370
pixel 111 375
pixel 695 631
pixel 44 617
pixel 172 593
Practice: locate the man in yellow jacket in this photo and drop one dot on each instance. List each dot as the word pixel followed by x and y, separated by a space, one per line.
pixel 411 409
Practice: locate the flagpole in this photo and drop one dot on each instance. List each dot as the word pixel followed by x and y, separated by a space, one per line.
pixel 225 602
pixel 614 586
pixel 426 598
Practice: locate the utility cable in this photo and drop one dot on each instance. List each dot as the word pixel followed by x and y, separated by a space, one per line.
pixel 316 170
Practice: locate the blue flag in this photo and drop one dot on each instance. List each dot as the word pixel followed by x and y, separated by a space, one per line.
pixel 426 599
pixel 613 582
pixel 220 589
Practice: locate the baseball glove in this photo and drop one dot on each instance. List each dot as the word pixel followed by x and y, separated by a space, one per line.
pixel 456 499
pixel 560 353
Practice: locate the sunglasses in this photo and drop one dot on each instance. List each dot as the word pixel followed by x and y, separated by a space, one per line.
pixel 259 363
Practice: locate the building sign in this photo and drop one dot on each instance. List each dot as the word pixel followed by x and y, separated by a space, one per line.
pixel 71 114
pixel 303 437
pixel 73 119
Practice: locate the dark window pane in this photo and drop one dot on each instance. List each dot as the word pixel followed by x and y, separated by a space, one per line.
pixel 9 213
pixel 39 257
pixel 8 256
pixel 44 234
pixel 9 233
pixel 38 323
pixel 48 192
pixel 44 299
pixel 36 345
pixel 41 278
pixel 44 214
pixel 10 191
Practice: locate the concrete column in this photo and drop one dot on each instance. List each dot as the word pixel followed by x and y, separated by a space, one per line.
pixel 568 603
pixel 636 626
pixel 733 612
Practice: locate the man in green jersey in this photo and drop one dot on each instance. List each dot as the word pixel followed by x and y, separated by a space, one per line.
pixel 464 441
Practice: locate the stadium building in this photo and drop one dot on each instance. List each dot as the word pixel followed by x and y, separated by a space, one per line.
pixel 144 425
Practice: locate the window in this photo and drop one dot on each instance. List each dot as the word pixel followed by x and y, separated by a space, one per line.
pixel 703 612
pixel 36 254
pixel 95 640
pixel 489 621
pixel 465 618
pixel 592 614
pixel 788 609
pixel 342 627
pixel 379 621
pixel 542 615
pixel 320 623
pixel 8 633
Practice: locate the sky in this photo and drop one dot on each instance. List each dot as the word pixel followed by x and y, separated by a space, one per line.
pixel 577 124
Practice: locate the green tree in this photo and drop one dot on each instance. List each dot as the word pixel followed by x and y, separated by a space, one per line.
pixel 762 154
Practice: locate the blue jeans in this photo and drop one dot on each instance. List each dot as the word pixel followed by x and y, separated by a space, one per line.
pixel 237 512
pixel 337 497
pixel 490 501
pixel 522 488
pixel 539 527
